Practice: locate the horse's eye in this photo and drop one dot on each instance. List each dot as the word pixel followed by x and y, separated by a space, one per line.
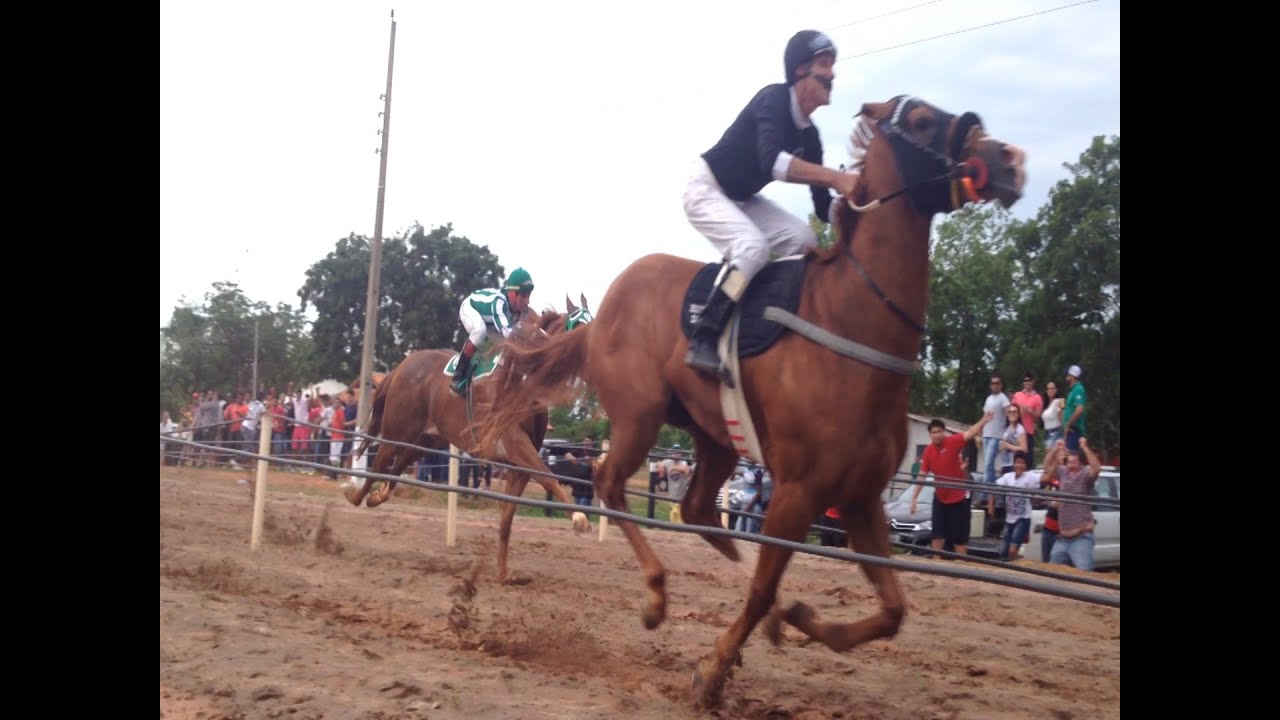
pixel 923 124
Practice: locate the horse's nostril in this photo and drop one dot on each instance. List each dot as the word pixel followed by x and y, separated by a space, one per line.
pixel 1012 155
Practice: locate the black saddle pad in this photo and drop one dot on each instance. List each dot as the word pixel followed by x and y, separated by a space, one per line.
pixel 778 284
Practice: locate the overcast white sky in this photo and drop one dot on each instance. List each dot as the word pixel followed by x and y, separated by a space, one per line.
pixel 557 133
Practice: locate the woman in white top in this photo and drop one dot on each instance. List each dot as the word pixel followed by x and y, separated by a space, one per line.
pixel 1052 415
pixel 1013 439
pixel 167 426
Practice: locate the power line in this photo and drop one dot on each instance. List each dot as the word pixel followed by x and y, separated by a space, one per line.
pixel 877 17
pixel 958 32
pixel 632 104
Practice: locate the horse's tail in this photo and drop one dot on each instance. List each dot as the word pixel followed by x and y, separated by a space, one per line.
pixel 375 413
pixel 538 375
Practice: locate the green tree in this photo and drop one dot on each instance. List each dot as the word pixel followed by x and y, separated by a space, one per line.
pixel 669 435
pixel 933 389
pixel 585 417
pixel 423 280
pixel 209 346
pixel 972 294
pixel 1069 313
pixel 453 267
pixel 822 230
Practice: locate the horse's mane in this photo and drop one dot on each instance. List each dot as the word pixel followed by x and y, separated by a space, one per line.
pixel 547 319
pixel 843 218
pixel 860 141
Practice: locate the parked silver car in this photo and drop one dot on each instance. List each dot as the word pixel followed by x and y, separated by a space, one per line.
pixel 737 489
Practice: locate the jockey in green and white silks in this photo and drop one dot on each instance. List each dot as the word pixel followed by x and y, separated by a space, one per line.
pixel 485 312
pixel 490 311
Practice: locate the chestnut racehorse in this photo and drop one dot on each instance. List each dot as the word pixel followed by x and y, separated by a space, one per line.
pixel 414 404
pixel 831 417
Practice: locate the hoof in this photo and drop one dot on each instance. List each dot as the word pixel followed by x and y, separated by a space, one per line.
pixel 706 686
pixel 374 500
pixel 799 614
pixel 581 524
pixel 653 615
pixel 353 495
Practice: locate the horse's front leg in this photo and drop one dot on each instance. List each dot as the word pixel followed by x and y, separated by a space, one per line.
pixel 789 516
pixel 866 526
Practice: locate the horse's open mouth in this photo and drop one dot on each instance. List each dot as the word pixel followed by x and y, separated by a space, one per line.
pixel 1005 192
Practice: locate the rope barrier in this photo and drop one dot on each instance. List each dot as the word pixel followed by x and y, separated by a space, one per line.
pixel 838 554
pixel 994 489
pixel 898 476
pixel 962 485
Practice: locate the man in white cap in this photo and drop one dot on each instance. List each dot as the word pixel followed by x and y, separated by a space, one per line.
pixel 1073 411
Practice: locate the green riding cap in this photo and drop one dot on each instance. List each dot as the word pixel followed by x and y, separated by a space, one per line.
pixel 519 281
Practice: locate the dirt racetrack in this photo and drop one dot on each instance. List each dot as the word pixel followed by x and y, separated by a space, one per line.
pixel 364 613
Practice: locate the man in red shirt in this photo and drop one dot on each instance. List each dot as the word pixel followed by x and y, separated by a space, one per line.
pixel 950 505
pixel 279 441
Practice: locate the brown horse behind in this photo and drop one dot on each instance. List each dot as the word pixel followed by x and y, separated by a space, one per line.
pixel 832 429
pixel 414 404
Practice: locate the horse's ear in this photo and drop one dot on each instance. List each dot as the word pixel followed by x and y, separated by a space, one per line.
pixel 583 298
pixel 568 304
pixel 875 111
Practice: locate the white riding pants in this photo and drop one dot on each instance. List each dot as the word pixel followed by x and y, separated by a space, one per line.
pixel 477 329
pixel 743 232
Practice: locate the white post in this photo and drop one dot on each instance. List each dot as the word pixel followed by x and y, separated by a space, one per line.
pixel 260 489
pixel 451 529
pixel 359 463
pixel 724 516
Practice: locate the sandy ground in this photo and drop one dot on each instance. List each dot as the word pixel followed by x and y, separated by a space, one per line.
pixel 364 613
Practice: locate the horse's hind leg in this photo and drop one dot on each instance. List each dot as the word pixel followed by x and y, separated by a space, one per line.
pixel 357 496
pixel 631 437
pixel 867 534
pixel 698 507
pixel 789 516
pixel 380 461
pixel 514 486
pixel 400 462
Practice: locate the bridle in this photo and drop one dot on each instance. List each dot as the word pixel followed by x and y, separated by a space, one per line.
pixel 930 175
pixel 915 160
pixel 933 179
pixel 581 316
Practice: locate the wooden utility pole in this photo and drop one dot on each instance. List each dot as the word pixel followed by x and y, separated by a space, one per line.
pixel 255 360
pixel 375 258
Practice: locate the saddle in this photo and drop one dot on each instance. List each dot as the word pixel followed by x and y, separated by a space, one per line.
pixel 778 284
pixel 746 334
pixel 483 364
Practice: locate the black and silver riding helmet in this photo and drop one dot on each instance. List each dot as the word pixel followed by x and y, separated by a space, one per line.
pixel 802 48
